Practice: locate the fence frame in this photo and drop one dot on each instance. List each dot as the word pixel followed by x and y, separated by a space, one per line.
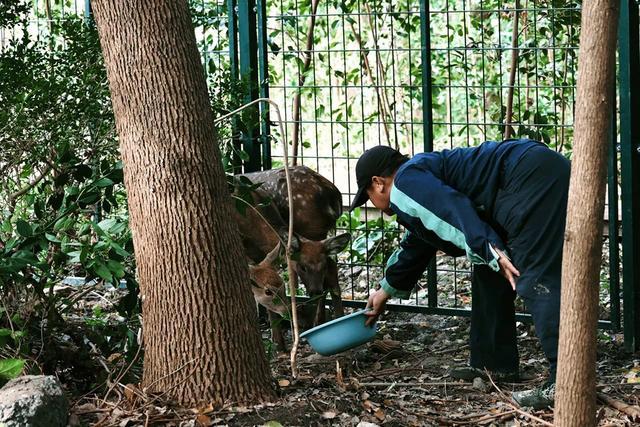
pixel 625 153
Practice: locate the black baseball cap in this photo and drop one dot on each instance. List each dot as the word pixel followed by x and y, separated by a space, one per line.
pixel 373 162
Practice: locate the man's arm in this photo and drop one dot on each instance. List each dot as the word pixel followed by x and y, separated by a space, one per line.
pixel 426 203
pixel 406 265
pixel 404 268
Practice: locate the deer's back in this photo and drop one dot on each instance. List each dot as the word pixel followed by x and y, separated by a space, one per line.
pixel 317 203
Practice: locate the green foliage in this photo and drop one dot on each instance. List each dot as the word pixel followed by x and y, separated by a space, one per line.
pixel 62 202
pixel 10 368
pixel 363 103
pixel 373 240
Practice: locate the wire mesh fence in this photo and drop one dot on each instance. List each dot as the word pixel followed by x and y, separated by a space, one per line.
pixel 413 74
pixel 352 74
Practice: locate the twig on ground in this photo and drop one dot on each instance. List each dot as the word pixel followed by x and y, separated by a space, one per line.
pixel 414 384
pixel 513 405
pixel 123 373
pixel 480 418
pixel 632 411
pixel 451 350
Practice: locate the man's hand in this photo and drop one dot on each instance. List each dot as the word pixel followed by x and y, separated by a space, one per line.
pixel 377 302
pixel 507 269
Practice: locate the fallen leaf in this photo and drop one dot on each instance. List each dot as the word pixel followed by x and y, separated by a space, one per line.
pixel 328 415
pixel 203 421
pixel 368 405
pixel 130 392
pixel 113 357
pixel 126 421
pixel 633 376
pixel 205 409
pixel 379 414
pixel 272 423
pixel 284 382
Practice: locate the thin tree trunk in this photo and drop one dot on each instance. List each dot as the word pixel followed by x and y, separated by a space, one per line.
pixel 508 129
pixel 199 326
pixel 367 71
pixel 297 108
pixel 575 391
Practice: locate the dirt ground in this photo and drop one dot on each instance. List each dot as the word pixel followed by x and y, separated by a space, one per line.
pixel 399 379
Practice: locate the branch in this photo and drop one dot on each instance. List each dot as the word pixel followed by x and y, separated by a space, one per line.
pixel 380 69
pixel 632 411
pixel 513 405
pixel 305 67
pixel 29 186
pixel 369 73
pixel 508 130
pixel 292 275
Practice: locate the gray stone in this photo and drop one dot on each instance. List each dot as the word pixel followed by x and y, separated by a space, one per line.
pixel 480 384
pixel 33 401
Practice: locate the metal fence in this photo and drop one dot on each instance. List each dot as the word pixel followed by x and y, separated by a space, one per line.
pixel 417 75
pixel 420 76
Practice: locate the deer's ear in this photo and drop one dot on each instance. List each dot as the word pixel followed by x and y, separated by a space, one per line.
pixel 337 243
pixel 295 241
pixel 271 256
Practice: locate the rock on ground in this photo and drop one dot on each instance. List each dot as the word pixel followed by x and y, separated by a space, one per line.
pixel 33 401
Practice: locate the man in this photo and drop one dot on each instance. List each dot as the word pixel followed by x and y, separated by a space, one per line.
pixel 503 204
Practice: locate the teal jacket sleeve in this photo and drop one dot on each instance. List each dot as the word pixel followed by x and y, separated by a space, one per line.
pixel 406 265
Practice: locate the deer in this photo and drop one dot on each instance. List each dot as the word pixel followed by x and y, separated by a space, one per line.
pixel 317 204
pixel 269 291
pixel 254 216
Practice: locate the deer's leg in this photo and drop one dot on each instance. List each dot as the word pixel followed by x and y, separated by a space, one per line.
pixel 320 303
pixel 277 335
pixel 333 286
pixel 276 322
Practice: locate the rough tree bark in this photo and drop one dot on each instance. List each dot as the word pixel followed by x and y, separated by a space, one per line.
pixel 575 391
pixel 200 330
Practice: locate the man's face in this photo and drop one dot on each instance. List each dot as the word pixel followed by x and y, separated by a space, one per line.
pixel 379 193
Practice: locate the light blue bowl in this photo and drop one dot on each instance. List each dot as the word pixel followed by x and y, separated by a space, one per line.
pixel 340 334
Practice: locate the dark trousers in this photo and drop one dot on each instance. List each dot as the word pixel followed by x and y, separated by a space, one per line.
pixel 530 210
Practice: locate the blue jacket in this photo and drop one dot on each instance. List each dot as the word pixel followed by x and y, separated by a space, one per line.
pixel 446 201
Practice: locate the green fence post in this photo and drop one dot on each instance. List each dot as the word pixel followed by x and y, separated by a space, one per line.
pixel 629 57
pixel 427 121
pixel 233 66
pixel 263 83
pixel 614 225
pixel 248 54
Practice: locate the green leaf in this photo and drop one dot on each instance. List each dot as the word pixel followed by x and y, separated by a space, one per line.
pixel 116 268
pixel 104 182
pixel 119 250
pixel 23 228
pixel 51 238
pixel 90 198
pixel 102 271
pixel 244 156
pixel 74 256
pixel 11 368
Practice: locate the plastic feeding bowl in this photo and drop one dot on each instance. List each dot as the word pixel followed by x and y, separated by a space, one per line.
pixel 340 334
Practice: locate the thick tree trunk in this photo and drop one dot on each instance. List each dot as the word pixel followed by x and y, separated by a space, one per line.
pixel 575 391
pixel 200 330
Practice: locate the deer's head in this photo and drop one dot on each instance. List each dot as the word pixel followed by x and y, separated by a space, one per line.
pixel 267 285
pixel 311 262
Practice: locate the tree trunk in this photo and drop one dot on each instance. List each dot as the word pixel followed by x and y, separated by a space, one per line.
pixel 575 391
pixel 200 329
